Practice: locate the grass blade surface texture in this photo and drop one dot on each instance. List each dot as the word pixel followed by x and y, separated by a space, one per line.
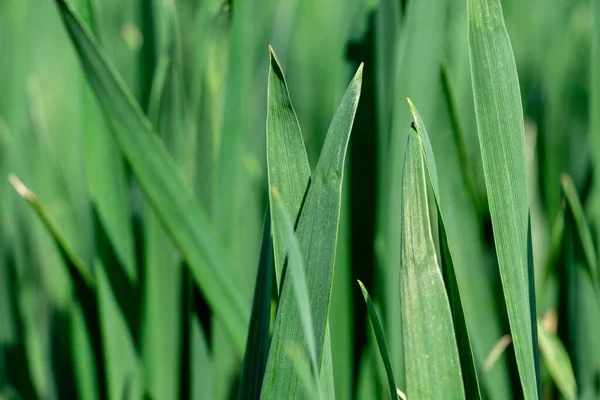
pixel 287 162
pixel 163 184
pixel 502 139
pixel 380 340
pixel 558 362
pixel 317 234
pixel 431 360
pixel 467 360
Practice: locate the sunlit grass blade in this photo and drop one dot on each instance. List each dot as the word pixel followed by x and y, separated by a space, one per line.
pixel 502 140
pixel 467 360
pixel 287 163
pixel 583 230
pixel 257 344
pixel 431 357
pixel 317 235
pixel 174 202
pixel 30 197
pixel 557 360
pixel 380 341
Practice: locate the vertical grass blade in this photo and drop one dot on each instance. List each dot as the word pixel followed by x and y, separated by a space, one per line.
pixel 380 341
pixel 317 234
pixel 467 360
pixel 178 209
pixel 595 109
pixel 502 140
pixel 431 358
pixel 257 345
pixel 287 163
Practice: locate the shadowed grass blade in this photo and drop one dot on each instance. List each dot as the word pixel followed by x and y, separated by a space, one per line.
pixel 467 361
pixel 583 230
pixel 175 204
pixel 317 235
pixel 502 140
pixel 257 344
pixel 432 363
pixel 380 341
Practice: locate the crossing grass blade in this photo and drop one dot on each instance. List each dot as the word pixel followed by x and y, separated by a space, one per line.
pixel 257 345
pixel 467 360
pixel 175 204
pixel 287 162
pixel 583 230
pixel 380 341
pixel 105 169
pixel 502 140
pixel 317 235
pixel 431 357
pixel 557 359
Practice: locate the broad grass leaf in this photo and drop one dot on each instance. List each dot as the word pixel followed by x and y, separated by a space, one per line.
pixel 502 140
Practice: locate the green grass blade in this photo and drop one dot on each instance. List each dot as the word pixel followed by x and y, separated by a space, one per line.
pixel 583 230
pixel 467 360
pixel 595 109
pixel 557 360
pixel 201 368
pixel 432 363
pixel 62 242
pixel 83 357
pixel 317 234
pixel 105 169
pixel 287 163
pixel 257 345
pixel 158 176
pixel 162 262
pixel 296 273
pixel 380 341
pixel 502 140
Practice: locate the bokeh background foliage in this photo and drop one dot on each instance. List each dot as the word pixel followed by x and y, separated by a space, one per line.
pixel 126 296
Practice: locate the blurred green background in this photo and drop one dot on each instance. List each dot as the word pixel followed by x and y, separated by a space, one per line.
pixel 206 61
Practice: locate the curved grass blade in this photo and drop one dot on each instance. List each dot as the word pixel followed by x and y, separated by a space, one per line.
pixel 467 360
pixel 432 363
pixel 380 341
pixel 502 140
pixel 174 202
pixel 583 230
pixel 317 235
pixel 557 360
pixel 257 344
pixel 287 162
pixel 81 269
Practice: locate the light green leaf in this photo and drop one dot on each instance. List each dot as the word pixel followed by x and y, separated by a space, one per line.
pixel 431 358
pixel 467 361
pixel 376 325
pixel 317 235
pixel 502 140
pixel 257 345
pixel 174 202
pixel 200 365
pixel 287 163
pixel 557 359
